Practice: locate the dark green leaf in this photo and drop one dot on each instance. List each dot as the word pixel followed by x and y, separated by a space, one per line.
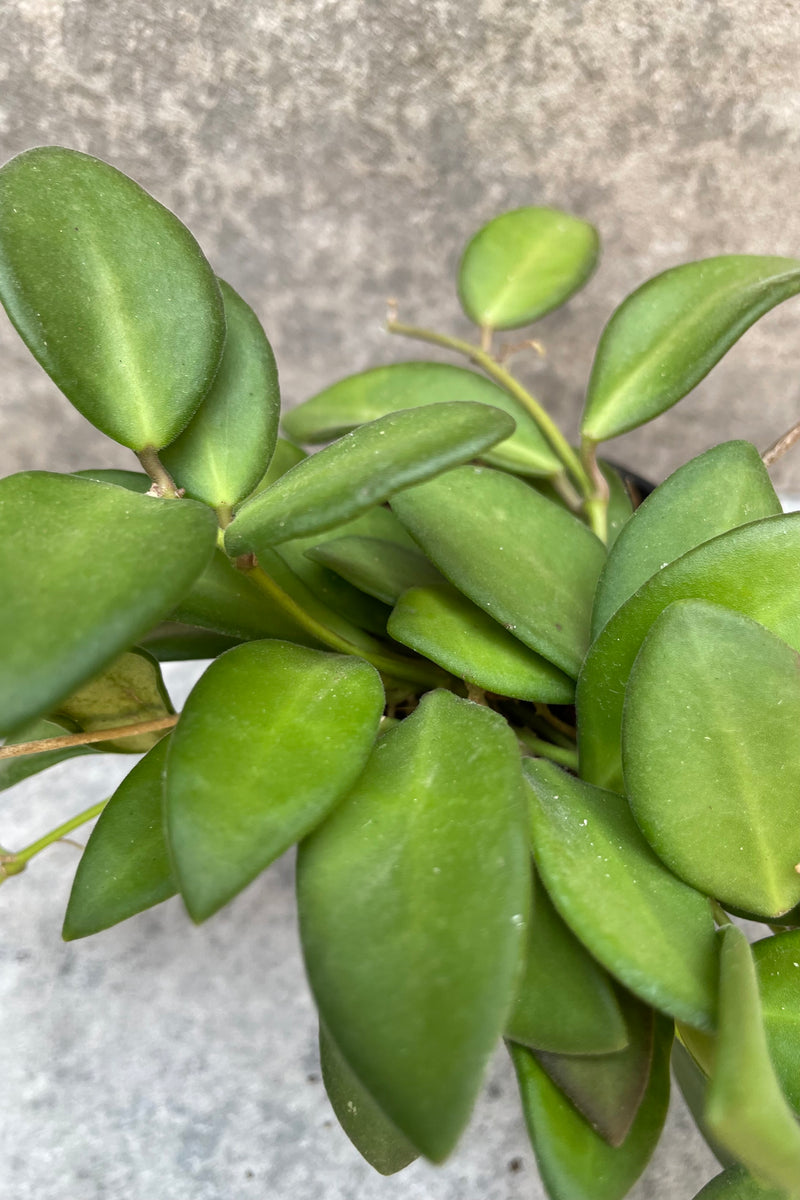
pixel 14 770
pixel 271 737
pixel 524 264
pixel 737 1184
pixel 777 962
pixel 172 642
pixel 110 292
pixel 128 691
pixel 94 567
pixel 413 898
pixel 693 1083
pixel 381 569
pixel 620 505
pixel 670 332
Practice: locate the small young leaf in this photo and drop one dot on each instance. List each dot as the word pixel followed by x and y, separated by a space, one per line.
pixel 128 691
pixel 737 1184
pixel 650 930
pixel 777 960
pixel 721 489
pixel 524 264
pixel 365 397
pixel 745 1108
pixel 271 737
pixel 362 469
pixel 226 447
pixel 110 293
pixel 381 569
pixel 712 711
pixel 672 330
pixel 125 867
pixel 94 567
pixel 413 897
pixel 369 1129
pixel 14 770
pixel 472 524
pixel 452 631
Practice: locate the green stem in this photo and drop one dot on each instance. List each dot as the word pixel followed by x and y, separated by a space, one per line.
pixel 542 749
pixel 596 506
pixel 163 483
pixel 718 912
pixel 12 863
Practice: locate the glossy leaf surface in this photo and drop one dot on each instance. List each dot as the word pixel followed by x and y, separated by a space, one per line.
pixel 670 332
pixel 94 567
pixel 362 469
pixel 381 569
pixel 14 770
pixel 745 1107
pixel 128 691
pixel 524 264
pixel 650 930
pixel 754 569
pixel 473 522
pixel 711 754
pixel 110 292
pixel 423 863
pixel 372 1133
pixel 777 960
pixel 719 490
pixel 227 446
pixel 125 867
pixel 737 1184
pixel 381 390
pixel 270 738
pixel 452 631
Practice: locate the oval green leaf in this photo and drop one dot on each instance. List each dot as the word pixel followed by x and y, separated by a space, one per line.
pixel 472 522
pixel 737 1184
pixel 667 335
pixel 228 444
pixel 650 930
pixel 128 691
pixel 381 569
pixel 271 737
pixel 94 567
pixel 424 863
pixel 110 293
pixel 362 469
pixel 777 962
pixel 524 264
pixel 375 393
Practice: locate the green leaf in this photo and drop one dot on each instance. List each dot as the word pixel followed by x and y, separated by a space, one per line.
pixel 172 642
pixel 271 737
pixel 110 293
pixel 574 1161
pixel 94 567
pixel 667 335
pixel 719 490
pixel 607 1089
pixel 342 597
pixel 362 469
pixel 369 1129
pixel 737 1184
pixel 132 481
pixel 693 1082
pixel 125 867
pixel 375 393
pixel 226 447
pixel 777 960
pixel 620 505
pixel 650 930
pixel 285 456
pixel 14 770
pixel 128 691
pixel 423 866
pixel 472 522
pixel 565 1002
pixel 754 569
pixel 745 1108
pixel 381 569
pixel 524 264
pixel 452 631
pixel 712 710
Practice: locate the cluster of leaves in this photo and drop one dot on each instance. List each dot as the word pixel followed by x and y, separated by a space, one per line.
pixel 534 745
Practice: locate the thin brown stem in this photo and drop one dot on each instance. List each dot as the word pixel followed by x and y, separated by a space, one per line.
pixel 779 448
pixel 19 749
pixel 163 483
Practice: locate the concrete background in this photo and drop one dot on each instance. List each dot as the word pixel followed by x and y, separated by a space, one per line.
pixel 327 154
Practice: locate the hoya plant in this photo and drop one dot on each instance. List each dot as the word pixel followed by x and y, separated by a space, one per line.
pixel 537 743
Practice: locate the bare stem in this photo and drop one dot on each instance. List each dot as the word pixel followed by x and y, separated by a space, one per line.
pixel 19 749
pixel 163 483
pixel 542 749
pixel 779 448
pixel 13 862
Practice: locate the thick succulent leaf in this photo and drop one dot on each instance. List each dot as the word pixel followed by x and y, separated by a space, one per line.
pixel 172 642
pixel 672 330
pixel 381 569
pixel 777 962
pixel 227 446
pixel 342 597
pixel 693 1082
pixel 721 489
pixel 125 867
pixel 737 1184
pixel 133 481
pixel 650 930
pixel 271 737
pixel 565 1001
pixel 607 1089
pixel 371 394
pixel 712 711
pixel 110 292
pixel 754 569
pixel 285 456
pixel 745 1108
pixel 14 770
pixel 128 691
pixel 362 469
pixel 94 567
pixel 575 1162
pixel 372 1133
pixel 524 264
pixel 472 523
pixel 424 863
pixel 452 631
